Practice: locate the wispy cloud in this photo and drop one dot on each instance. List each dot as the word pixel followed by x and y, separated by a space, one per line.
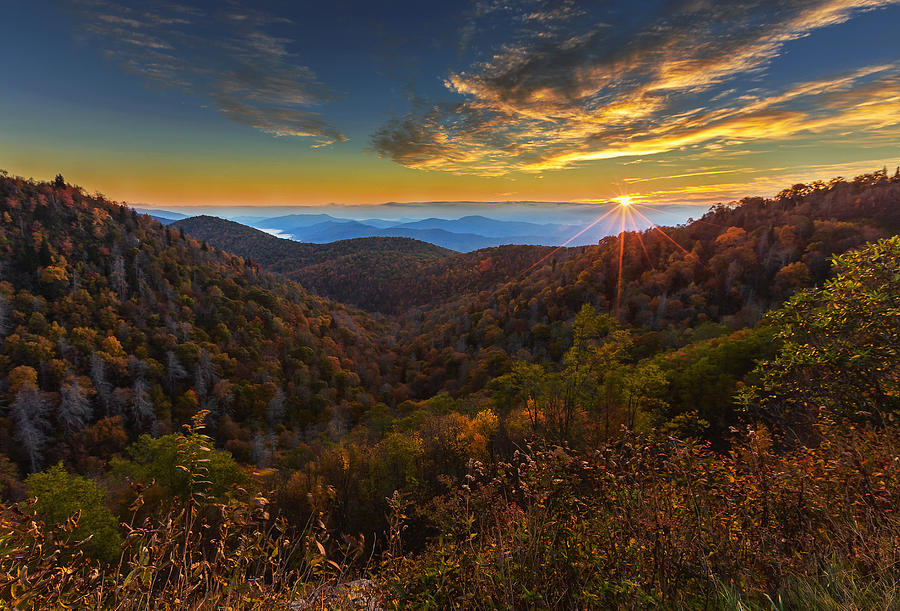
pixel 569 87
pixel 227 55
pixel 756 182
pixel 688 175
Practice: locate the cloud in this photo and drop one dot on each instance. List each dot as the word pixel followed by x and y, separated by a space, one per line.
pixel 568 87
pixel 282 121
pixel 757 182
pixel 689 174
pixel 856 101
pixel 227 55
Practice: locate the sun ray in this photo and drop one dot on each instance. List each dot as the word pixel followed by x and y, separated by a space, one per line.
pixel 657 228
pixel 637 233
pixel 621 258
pixel 569 241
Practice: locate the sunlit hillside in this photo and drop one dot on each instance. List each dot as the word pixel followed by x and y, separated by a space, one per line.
pixel 690 414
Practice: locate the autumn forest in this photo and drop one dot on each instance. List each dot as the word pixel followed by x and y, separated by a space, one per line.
pixel 701 416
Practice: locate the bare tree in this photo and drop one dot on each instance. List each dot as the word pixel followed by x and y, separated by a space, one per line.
pixel 260 453
pixel 142 411
pixel 4 315
pixel 101 384
pixel 75 409
pixel 275 409
pixel 29 416
pixel 117 277
pixel 211 405
pixel 205 376
pixel 175 371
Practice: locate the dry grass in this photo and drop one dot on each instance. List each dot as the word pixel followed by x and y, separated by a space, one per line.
pixel 200 555
pixel 653 522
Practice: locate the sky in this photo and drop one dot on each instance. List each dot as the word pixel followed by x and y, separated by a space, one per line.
pixel 236 103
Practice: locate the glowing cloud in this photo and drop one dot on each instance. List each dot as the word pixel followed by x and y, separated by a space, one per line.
pixel 570 88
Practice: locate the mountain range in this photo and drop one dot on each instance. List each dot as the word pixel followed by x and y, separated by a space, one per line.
pixel 463 234
pixel 383 274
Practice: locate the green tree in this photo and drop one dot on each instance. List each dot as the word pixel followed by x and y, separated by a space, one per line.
pixel 703 377
pixel 553 399
pixel 517 388
pixel 61 494
pixel 841 344
pixel 169 463
pixel 598 348
pixel 641 389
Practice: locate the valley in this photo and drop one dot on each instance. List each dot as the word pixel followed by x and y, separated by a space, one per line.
pixel 441 370
pixel 476 305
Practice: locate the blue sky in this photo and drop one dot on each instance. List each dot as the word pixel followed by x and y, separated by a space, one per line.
pixel 277 103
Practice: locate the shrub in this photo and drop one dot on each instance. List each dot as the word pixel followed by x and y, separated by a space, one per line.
pixel 59 495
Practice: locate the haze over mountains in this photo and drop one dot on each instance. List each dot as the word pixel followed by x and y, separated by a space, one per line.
pixel 460 226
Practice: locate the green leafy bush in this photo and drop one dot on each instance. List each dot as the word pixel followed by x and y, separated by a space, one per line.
pixel 61 495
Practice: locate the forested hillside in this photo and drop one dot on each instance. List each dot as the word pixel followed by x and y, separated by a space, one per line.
pixel 716 274
pixel 387 275
pixel 717 430
pixel 113 325
pixel 289 256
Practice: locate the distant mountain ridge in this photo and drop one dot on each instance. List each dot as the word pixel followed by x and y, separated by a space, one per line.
pixel 485 227
pixel 490 227
pixel 165 217
pixel 352 271
pixel 464 234
pixel 331 231
pixel 383 274
pixel 285 255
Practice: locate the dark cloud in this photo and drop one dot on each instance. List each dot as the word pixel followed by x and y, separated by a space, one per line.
pixel 569 85
pixel 227 55
pixel 411 140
